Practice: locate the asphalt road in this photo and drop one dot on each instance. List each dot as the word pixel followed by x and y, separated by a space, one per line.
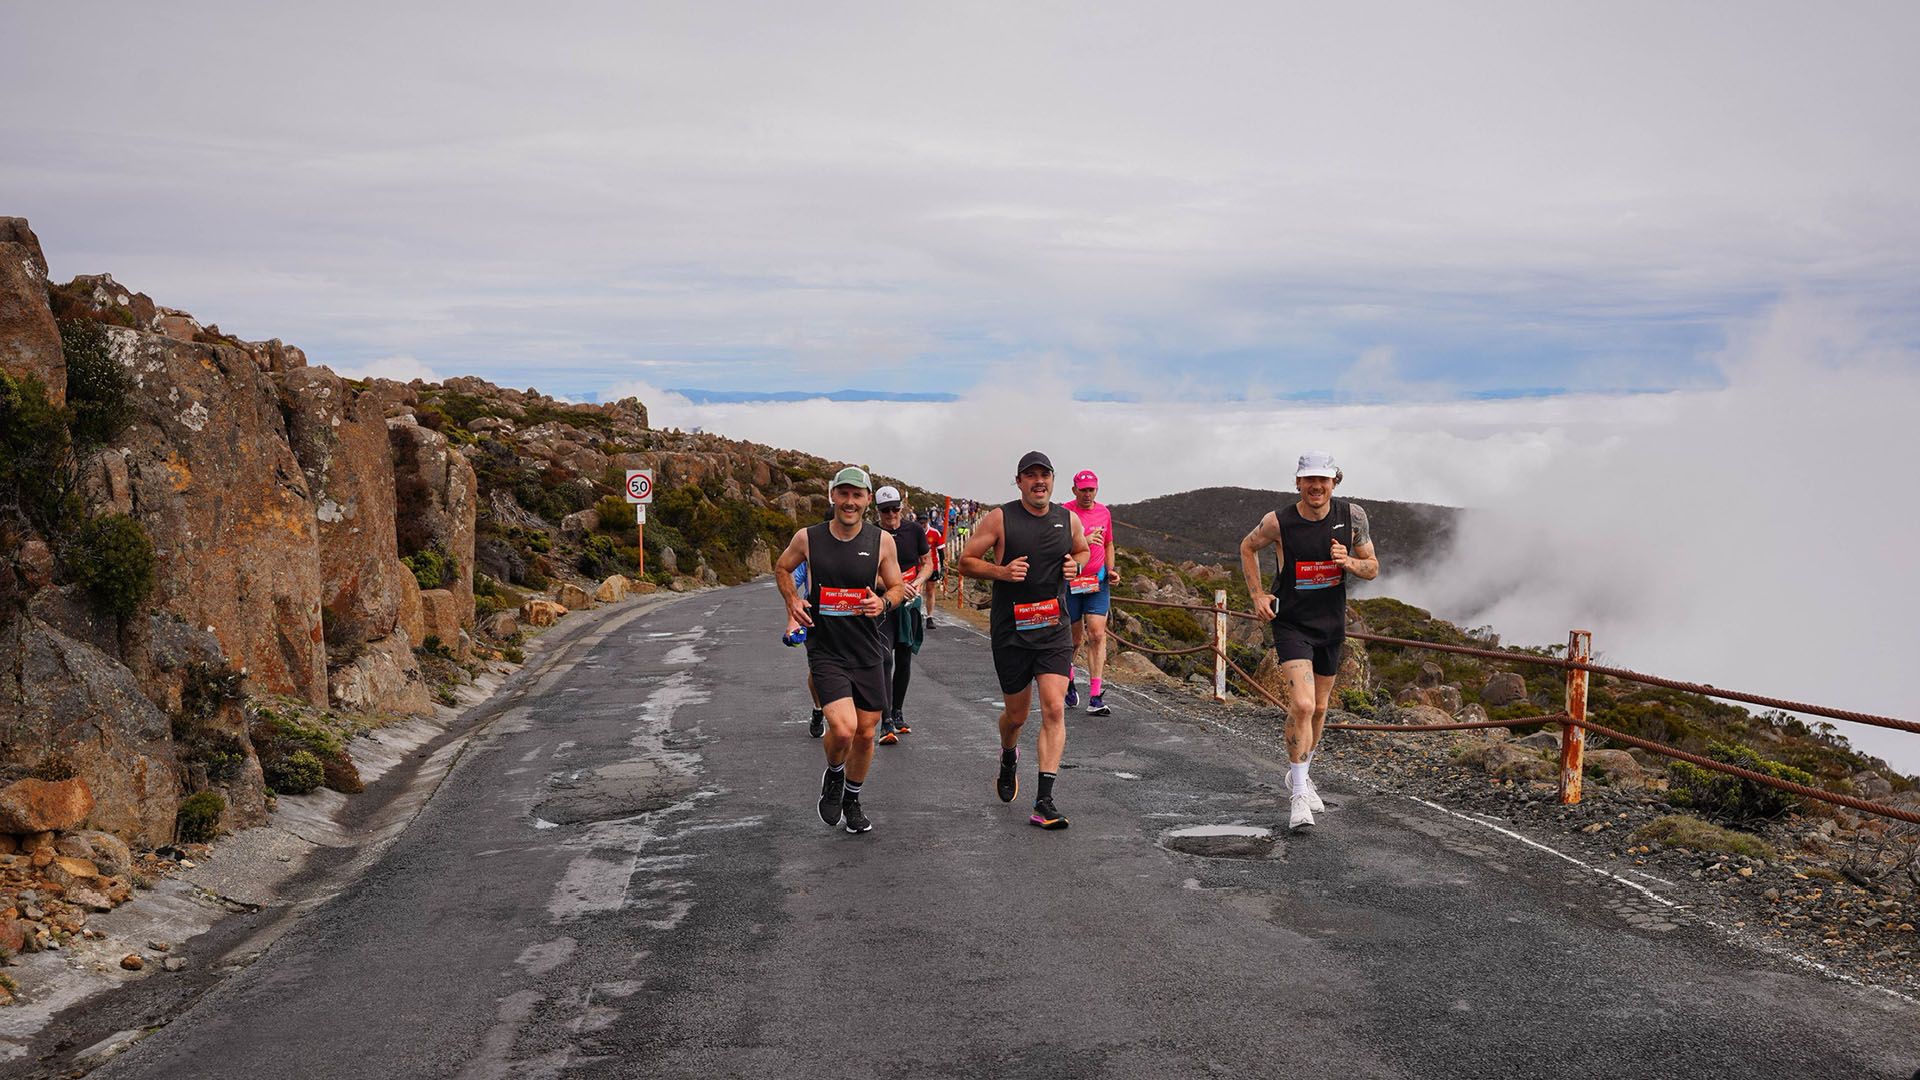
pixel 624 876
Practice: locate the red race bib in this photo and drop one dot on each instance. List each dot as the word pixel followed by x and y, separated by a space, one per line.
pixel 842 601
pixel 1316 575
pixel 1036 616
pixel 1084 584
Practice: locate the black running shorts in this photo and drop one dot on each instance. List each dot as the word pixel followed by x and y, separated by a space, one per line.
pixel 1290 644
pixel 833 680
pixel 1017 667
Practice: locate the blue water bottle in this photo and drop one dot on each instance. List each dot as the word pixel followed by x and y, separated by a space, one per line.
pixel 798 636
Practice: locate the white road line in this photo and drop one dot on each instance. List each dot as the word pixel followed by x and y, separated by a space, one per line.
pixel 1634 885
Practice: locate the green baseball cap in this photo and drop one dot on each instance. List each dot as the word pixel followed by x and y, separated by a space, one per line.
pixel 852 476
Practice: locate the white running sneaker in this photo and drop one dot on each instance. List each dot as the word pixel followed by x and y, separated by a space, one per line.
pixel 1313 799
pixel 1302 816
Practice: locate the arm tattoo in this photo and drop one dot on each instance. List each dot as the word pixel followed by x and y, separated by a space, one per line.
pixel 1362 535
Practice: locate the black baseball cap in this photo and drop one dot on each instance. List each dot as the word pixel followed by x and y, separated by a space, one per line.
pixel 1034 457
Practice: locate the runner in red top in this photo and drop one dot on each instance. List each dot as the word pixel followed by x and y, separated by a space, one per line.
pixel 1317 540
pixel 1090 595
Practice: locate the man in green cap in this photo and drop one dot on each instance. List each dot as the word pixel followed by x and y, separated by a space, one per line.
pixel 845 557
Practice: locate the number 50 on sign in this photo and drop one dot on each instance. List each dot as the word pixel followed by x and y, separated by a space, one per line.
pixel 639 485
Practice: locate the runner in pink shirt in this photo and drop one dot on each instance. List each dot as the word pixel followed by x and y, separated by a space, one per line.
pixel 1090 595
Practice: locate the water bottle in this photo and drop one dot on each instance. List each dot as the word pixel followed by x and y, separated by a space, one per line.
pixel 798 636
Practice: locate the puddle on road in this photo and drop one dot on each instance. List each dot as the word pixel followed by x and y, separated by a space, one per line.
pixel 1223 842
pixel 614 791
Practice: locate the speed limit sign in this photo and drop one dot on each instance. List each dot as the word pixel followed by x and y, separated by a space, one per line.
pixel 639 485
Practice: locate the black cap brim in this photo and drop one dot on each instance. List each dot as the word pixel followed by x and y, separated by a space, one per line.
pixel 1034 457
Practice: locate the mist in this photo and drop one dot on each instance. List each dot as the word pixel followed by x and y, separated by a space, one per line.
pixel 1759 536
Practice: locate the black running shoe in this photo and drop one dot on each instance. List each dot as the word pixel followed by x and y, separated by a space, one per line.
pixel 900 723
pixel 1007 785
pixel 832 786
pixel 1048 816
pixel 817 726
pixel 856 819
pixel 887 736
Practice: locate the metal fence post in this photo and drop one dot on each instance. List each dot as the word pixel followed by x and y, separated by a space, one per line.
pixel 1219 645
pixel 1573 738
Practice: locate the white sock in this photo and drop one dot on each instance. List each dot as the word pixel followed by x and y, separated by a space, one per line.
pixel 1297 776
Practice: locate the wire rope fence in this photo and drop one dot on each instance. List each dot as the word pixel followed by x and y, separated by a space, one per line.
pixel 1572 720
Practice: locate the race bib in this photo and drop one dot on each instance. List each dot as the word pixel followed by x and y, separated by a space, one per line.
pixel 842 601
pixel 1084 584
pixel 1316 575
pixel 1036 616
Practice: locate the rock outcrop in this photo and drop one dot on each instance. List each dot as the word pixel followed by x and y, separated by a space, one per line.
pixel 29 340
pixel 437 499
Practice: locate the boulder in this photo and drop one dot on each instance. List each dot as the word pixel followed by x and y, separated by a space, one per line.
pixel 572 597
pixel 436 497
pixel 384 678
pixel 613 590
pixel 1356 667
pixel 1509 761
pixel 29 339
pixel 579 523
pixel 760 559
pixel 30 805
pixel 1472 714
pixel 1503 688
pixel 340 440
pixel 105 850
pixel 1445 698
pixel 1421 714
pixel 411 618
pixel 35 563
pixel 1431 674
pixel 1133 667
pixel 103 476
pixel 441 610
pixel 500 626
pixel 226 503
pixel 541 612
pixel 1270 678
pixel 1541 740
pixel 1614 766
pixel 668 561
pixel 60 696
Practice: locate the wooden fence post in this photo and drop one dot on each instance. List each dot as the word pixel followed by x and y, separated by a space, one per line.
pixel 1573 738
pixel 1219 645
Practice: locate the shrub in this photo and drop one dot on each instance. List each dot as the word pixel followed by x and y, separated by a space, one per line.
pixel 97 384
pixel 278 736
pixel 37 477
pixel 1356 701
pixel 1734 798
pixel 198 820
pixel 433 568
pixel 296 774
pixel 600 556
pixel 1681 831
pixel 112 558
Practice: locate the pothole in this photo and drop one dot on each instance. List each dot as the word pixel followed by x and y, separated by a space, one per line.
pixel 614 791
pixel 1223 841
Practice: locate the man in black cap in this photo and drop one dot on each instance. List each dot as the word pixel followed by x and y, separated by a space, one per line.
pixel 1037 547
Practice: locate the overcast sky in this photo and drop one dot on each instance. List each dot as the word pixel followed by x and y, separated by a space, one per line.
pixel 1210 200
pixel 1218 209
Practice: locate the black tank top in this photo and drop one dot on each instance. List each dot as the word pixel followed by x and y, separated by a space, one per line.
pixel 910 544
pixel 840 574
pixel 1046 541
pixel 1311 588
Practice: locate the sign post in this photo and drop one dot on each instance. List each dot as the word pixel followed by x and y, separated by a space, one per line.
pixel 640 493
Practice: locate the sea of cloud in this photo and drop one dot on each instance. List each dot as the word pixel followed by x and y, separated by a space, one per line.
pixel 1759 536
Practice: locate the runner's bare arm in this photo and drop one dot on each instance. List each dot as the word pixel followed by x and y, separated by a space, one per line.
pixel 1358 560
pixel 789 561
pixel 1077 558
pixel 895 589
pixel 985 537
pixel 1267 532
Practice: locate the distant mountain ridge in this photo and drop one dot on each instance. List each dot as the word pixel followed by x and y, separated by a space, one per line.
pixel 736 397
pixel 1205 525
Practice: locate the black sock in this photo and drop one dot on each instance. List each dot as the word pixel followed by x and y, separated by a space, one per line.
pixel 1009 755
pixel 1046 785
pixel 853 792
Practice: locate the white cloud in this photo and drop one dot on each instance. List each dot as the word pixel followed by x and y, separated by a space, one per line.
pixel 397 368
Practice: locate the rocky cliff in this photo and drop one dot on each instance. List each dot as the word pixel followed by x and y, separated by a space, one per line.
pixel 193 527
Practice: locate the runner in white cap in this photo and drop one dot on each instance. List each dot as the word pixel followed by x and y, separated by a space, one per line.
pixel 916 565
pixel 1317 540
pixel 1090 594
